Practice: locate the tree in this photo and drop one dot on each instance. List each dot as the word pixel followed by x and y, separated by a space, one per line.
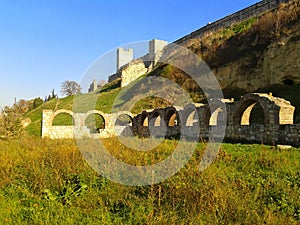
pixel 70 88
pixel 22 106
pixel 10 123
pixel 37 102
pixel 53 95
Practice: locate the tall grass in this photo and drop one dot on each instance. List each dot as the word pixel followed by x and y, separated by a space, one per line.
pixel 49 182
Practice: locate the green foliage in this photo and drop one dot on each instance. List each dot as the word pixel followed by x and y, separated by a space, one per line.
pixel 95 122
pixel 149 103
pixel 37 102
pixel 63 119
pixel 10 123
pixel 243 26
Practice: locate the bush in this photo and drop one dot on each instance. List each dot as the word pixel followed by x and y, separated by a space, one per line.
pixel 10 123
pixel 37 102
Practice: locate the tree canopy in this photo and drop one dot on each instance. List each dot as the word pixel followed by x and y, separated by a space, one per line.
pixel 70 88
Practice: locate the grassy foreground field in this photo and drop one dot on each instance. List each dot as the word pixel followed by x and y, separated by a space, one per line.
pixel 48 182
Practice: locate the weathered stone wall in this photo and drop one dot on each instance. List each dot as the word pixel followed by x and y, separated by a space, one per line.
pixel 132 71
pixel 251 11
pixel 80 130
pixel 232 117
pixel 114 77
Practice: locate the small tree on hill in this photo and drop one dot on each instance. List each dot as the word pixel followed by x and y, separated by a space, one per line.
pixel 37 102
pixel 10 123
pixel 70 88
pixel 22 106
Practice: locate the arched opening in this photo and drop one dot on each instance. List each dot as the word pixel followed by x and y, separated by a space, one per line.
pixel 250 112
pixel 257 115
pixel 172 118
pixel 192 119
pixel 95 123
pixel 63 119
pixel 124 120
pixel 155 120
pixel 144 121
pixel 215 117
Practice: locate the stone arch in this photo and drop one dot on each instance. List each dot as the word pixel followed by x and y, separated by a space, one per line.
pixel 156 118
pixel 61 112
pixel 172 117
pixel 215 112
pixel 275 110
pixel 190 116
pixel 143 119
pixel 123 119
pixel 97 123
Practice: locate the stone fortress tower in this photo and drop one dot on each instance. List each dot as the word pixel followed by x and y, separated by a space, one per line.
pixel 93 86
pixel 155 49
pixel 124 56
pixel 129 69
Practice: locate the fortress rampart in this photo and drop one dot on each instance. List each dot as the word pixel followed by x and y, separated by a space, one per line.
pixel 244 14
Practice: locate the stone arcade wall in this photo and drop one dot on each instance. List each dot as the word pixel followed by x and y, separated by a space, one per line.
pixel 205 120
pixel 80 130
pixel 277 128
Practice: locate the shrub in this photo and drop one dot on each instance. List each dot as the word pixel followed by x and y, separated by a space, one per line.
pixel 37 102
pixel 10 123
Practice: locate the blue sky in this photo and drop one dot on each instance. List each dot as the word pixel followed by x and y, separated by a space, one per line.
pixel 43 43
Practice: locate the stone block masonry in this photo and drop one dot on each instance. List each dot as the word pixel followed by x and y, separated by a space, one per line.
pixel 124 57
pixel 80 128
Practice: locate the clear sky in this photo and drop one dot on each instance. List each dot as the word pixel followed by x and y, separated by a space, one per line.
pixel 45 42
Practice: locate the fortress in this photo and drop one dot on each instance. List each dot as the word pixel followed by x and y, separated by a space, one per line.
pixel 226 118
pixel 129 69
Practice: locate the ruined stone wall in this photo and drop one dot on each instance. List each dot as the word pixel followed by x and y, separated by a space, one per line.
pixel 232 117
pixel 132 71
pixel 206 121
pixel 114 77
pixel 251 11
pixel 80 130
